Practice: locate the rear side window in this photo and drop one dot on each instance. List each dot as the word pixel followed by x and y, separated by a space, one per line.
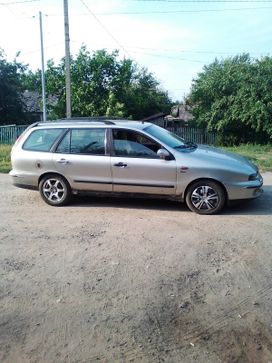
pixel 42 140
pixel 83 141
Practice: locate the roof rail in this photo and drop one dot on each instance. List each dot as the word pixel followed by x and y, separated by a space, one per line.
pixel 80 119
pixel 102 119
pixel 32 125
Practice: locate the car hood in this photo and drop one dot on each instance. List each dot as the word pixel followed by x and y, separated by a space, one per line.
pixel 220 157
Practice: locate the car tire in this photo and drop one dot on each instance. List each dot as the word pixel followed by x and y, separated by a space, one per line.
pixel 55 190
pixel 205 197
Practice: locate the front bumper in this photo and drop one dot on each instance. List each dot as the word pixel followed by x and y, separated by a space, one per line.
pixel 245 190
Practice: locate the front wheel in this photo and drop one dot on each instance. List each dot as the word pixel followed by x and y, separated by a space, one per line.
pixel 55 190
pixel 205 197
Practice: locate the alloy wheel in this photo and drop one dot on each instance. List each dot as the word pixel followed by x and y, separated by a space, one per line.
pixel 205 198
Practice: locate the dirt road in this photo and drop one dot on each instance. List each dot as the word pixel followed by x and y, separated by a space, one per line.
pixel 134 281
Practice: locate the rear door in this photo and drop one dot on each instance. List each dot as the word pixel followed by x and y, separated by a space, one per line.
pixel 81 157
pixel 136 167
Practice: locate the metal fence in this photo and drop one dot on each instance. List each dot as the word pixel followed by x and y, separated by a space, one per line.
pixel 199 136
pixel 9 134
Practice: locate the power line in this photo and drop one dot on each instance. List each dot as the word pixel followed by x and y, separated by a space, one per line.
pixel 186 51
pixel 176 89
pixel 178 11
pixel 175 58
pixel 38 50
pixel 170 57
pixel 178 58
pixel 167 11
pixel 173 50
pixel 150 12
pixel 176 50
pixel 207 1
pixel 18 2
pixel 103 26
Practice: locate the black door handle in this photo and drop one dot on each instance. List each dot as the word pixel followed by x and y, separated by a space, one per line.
pixel 120 165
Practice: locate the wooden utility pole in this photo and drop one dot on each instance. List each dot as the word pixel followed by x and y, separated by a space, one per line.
pixel 43 76
pixel 67 60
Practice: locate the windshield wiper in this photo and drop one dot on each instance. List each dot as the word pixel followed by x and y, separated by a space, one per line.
pixel 190 144
pixel 181 146
pixel 186 145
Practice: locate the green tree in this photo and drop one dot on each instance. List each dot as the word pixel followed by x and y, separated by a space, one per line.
pixel 102 84
pixel 11 104
pixel 233 97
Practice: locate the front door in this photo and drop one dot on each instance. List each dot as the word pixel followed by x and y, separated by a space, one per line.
pixel 136 167
pixel 82 159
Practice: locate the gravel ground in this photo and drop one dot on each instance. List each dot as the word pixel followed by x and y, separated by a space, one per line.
pixel 115 280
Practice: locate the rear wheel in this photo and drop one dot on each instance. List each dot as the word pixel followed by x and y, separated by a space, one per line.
pixel 205 197
pixel 55 190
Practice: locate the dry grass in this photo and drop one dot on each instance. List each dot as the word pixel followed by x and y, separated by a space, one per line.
pixel 5 165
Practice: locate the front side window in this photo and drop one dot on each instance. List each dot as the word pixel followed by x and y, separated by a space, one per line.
pixel 83 141
pixel 42 140
pixel 134 144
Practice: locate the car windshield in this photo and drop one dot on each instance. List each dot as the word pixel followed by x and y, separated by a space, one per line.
pixel 168 138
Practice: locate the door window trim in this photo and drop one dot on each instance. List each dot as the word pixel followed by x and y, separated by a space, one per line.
pixel 112 151
pixel 55 142
pixel 69 130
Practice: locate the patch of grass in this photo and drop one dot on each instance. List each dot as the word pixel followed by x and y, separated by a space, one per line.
pixel 261 155
pixel 5 165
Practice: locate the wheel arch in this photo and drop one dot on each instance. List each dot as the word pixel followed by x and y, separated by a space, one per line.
pixel 52 173
pixel 56 196
pixel 209 179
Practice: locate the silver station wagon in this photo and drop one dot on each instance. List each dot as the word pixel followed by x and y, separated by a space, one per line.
pixel 67 157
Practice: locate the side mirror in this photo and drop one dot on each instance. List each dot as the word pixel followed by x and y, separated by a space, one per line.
pixel 163 154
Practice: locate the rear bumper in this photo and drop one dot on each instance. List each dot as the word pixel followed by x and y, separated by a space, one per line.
pixel 23 181
pixel 25 186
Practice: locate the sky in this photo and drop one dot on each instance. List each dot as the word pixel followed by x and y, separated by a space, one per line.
pixel 174 39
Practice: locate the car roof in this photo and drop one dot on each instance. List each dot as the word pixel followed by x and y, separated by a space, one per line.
pixel 92 122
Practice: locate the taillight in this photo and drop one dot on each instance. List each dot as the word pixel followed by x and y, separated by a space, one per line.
pixel 19 138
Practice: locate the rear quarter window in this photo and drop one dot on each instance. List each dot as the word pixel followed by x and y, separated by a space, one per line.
pixel 41 140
